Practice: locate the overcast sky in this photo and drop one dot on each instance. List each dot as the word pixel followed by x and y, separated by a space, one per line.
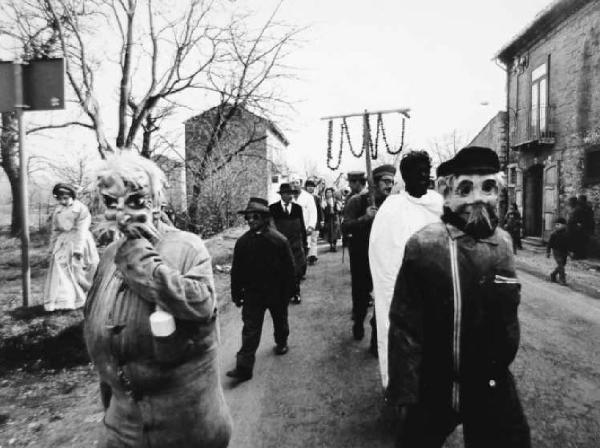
pixel 433 56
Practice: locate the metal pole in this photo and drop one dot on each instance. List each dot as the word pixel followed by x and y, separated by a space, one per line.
pixel 24 199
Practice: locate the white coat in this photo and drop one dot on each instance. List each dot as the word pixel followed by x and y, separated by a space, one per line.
pixel 398 218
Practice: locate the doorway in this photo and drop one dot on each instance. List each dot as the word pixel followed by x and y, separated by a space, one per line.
pixel 533 180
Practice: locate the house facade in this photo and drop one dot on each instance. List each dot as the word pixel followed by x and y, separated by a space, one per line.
pixel 553 113
pixel 231 155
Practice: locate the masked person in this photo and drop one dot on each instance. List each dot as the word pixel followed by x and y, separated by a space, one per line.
pixel 151 321
pixel 398 218
pixel 262 278
pixel 288 220
pixel 73 254
pixel 358 218
pixel 454 329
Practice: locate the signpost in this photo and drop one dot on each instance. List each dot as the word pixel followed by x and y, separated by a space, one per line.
pixel 37 85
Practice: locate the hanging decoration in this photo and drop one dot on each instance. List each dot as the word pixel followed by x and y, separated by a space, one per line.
pixel 369 147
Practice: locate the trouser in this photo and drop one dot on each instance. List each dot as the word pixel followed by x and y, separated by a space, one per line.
pixel 561 262
pixel 313 243
pixel 361 283
pixel 253 317
pixel 492 418
pixel 516 240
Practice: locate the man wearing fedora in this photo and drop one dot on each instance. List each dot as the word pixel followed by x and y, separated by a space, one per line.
pixel 289 220
pixel 358 219
pixel 262 278
pixel 454 328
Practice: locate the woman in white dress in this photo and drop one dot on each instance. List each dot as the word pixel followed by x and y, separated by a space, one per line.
pixel 73 254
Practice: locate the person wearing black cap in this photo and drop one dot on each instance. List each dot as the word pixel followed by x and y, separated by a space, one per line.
pixel 262 278
pixel 73 254
pixel 358 218
pixel 289 220
pixel 454 328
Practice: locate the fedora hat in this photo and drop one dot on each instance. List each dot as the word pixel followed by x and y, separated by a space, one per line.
pixel 256 205
pixel 285 188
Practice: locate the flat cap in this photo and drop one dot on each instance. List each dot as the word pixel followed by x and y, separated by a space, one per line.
pixel 384 170
pixel 356 175
pixel 472 160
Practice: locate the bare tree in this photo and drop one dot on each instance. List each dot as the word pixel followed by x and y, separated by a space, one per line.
pixel 162 52
pixel 446 146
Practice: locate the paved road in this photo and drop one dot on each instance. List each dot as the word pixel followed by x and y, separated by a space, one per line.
pixel 326 393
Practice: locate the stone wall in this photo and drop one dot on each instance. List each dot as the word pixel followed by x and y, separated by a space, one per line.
pixel 572 52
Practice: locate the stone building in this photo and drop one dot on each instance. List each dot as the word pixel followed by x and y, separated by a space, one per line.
pixel 493 135
pixel 231 154
pixel 553 113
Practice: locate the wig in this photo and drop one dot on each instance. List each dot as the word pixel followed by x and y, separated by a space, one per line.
pixel 130 171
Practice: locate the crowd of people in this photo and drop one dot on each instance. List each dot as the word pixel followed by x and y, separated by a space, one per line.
pixel 433 261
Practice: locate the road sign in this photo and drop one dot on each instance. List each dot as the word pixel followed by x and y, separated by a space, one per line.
pixel 44 84
pixel 7 87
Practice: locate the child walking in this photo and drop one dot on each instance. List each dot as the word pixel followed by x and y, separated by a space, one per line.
pixel 559 245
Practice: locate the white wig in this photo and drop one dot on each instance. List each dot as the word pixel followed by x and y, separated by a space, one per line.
pixel 129 170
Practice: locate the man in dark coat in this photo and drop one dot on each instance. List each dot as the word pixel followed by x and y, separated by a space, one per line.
pixel 358 218
pixel 262 278
pixel 454 328
pixel 288 219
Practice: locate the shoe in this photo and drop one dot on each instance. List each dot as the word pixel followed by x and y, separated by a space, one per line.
pixel 239 374
pixel 281 349
pixel 358 331
pixel 334 249
pixel 553 278
pixel 296 299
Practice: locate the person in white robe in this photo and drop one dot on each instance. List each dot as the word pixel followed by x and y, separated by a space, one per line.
pixel 398 218
pixel 72 251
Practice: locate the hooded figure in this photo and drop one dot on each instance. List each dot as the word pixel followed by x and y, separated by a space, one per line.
pixel 398 218
pixel 151 324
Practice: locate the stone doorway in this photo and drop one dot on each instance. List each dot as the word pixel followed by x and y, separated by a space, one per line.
pixel 533 185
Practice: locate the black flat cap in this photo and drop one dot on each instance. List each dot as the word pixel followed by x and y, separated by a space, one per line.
pixel 471 160
pixel 384 170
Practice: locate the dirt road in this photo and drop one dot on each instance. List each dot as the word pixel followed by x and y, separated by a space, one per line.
pixel 325 392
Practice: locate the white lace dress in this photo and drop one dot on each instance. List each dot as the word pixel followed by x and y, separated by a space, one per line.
pixel 69 277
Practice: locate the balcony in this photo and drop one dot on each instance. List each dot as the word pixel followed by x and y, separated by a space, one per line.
pixel 536 128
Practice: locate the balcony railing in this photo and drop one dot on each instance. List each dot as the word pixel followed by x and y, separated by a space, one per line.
pixel 536 128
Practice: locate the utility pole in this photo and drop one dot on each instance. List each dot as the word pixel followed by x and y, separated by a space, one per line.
pixel 23 187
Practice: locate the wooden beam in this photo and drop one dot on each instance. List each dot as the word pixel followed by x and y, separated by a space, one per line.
pixel 405 111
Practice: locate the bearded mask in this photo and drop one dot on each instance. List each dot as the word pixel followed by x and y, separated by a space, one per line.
pixel 470 202
pixel 131 188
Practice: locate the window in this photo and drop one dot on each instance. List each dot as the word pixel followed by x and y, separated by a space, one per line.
pixel 592 164
pixel 539 100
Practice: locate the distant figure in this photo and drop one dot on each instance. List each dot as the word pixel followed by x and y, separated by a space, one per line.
pixel 262 278
pixel 332 209
pixel 589 222
pixel 73 254
pixel 313 238
pixel 559 246
pixel 288 220
pixel 512 224
pixel 576 228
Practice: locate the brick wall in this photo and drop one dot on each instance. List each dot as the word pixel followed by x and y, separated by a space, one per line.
pixel 572 51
